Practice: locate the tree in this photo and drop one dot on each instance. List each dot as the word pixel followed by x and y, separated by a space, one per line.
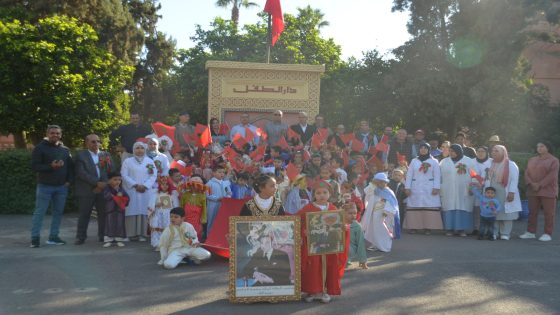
pixel 55 73
pixel 235 6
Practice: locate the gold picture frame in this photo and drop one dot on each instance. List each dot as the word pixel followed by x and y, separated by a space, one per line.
pixel 325 232
pixel 264 250
pixel 165 202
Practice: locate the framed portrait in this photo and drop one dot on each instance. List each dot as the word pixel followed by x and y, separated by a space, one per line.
pixel 325 232
pixel 264 262
pixel 165 202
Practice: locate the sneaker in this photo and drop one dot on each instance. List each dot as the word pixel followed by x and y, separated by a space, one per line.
pixel 35 242
pixel 463 234
pixel 545 238
pixel 120 244
pixel 142 239
pixel 108 244
pixel 55 241
pixel 504 237
pixel 325 298
pixel 527 235
pixel 126 239
pixel 308 298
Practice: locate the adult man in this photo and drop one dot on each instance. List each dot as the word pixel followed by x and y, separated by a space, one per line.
pixel 268 266
pixel 364 135
pixel 303 129
pixel 92 167
pixel 241 128
pixel 128 134
pixel 320 123
pixel 53 163
pixel 184 129
pixel 275 128
pixel 400 145
pixel 461 139
pixel 339 131
pixel 419 138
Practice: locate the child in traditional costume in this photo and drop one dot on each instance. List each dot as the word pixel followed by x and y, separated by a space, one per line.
pixel 179 240
pixel 320 274
pixel 116 200
pixel 357 248
pixel 158 210
pixel 381 219
pixel 193 200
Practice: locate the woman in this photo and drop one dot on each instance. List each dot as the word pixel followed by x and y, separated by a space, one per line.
pixel 481 167
pixel 444 150
pixel 456 202
pixel 218 135
pixel 504 177
pixel 264 202
pixel 160 160
pixel 541 178
pixel 139 175
pixel 422 187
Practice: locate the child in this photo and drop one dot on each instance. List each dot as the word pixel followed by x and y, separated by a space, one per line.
pixel 381 216
pixel 357 249
pixel 241 189
pixel 158 210
pixel 316 283
pixel 313 168
pixel 179 240
pixel 207 171
pixel 341 174
pixel 396 184
pixel 348 189
pixel 193 201
pixel 489 205
pixel 217 192
pixel 326 175
pixel 116 200
pixel 296 195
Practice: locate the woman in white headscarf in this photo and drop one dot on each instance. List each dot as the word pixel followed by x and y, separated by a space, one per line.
pixel 504 177
pixel 139 174
pixel 160 160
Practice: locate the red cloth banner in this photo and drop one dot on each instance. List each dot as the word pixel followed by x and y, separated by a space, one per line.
pixel 217 242
pixel 275 10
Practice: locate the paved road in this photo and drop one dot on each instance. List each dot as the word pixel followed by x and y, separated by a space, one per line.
pixel 424 274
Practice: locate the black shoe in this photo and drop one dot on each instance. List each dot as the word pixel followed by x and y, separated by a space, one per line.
pixel 55 240
pixel 35 242
pixel 79 242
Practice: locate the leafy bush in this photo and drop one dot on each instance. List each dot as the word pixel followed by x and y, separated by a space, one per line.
pixel 18 183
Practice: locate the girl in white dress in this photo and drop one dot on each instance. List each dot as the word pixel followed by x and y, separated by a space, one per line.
pixel 381 215
pixel 422 187
pixel 139 174
pixel 161 203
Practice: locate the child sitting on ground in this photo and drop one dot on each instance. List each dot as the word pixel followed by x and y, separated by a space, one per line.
pixel 357 249
pixel 116 200
pixel 179 240
pixel 489 205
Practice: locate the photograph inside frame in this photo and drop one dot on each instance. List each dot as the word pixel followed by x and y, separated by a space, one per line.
pixel 325 232
pixel 264 262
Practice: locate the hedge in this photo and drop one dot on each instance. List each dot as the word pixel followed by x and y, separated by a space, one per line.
pixel 17 184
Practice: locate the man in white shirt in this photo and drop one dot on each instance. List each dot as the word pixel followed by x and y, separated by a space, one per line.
pixel 240 129
pixel 305 130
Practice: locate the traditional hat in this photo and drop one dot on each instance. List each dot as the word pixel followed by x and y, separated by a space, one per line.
pixel 322 184
pixel 382 176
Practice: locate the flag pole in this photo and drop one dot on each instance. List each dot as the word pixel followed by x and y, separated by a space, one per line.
pixel 269 38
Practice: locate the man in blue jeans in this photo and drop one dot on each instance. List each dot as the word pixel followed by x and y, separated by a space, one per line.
pixel 53 163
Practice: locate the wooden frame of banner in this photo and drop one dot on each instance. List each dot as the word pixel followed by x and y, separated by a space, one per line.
pixel 337 243
pixel 264 293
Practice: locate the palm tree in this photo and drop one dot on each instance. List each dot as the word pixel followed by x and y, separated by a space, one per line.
pixel 236 5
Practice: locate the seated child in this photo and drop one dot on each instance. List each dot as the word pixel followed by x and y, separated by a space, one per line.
pixel 178 241
pixel 241 188
pixel 116 200
pixel 489 205
pixel 357 249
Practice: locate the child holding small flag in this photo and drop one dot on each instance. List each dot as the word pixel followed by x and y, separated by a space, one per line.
pixel 116 200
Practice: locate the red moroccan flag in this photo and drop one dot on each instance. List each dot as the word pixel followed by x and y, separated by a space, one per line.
pixel 385 139
pixel 182 167
pixel 346 138
pixel 249 136
pixel 273 8
pixel 476 176
pixel 283 143
pixel 239 141
pixel 205 137
pixel 345 159
pixel 292 134
pixel 382 146
pixel 161 129
pixel 401 158
pixel 357 145
pixel 224 129
pixel 323 133
pixel 291 171
pixel 258 154
pixel 121 201
pixel 316 141
pixel 199 128
pixel 260 133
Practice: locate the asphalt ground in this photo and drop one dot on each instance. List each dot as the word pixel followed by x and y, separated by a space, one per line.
pixel 433 274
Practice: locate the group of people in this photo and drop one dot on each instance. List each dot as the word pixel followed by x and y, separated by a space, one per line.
pixel 169 188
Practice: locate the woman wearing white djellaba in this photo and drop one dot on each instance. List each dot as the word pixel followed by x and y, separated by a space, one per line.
pixel 456 202
pixel 139 175
pixel 504 177
pixel 423 180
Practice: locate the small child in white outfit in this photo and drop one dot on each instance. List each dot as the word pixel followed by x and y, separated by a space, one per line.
pixel 179 240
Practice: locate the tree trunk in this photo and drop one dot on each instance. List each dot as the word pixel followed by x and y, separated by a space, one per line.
pixel 235 15
pixel 19 140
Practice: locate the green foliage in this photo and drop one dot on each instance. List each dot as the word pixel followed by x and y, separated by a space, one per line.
pixel 54 72
pixel 18 184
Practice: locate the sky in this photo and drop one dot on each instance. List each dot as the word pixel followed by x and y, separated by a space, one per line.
pixel 356 25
